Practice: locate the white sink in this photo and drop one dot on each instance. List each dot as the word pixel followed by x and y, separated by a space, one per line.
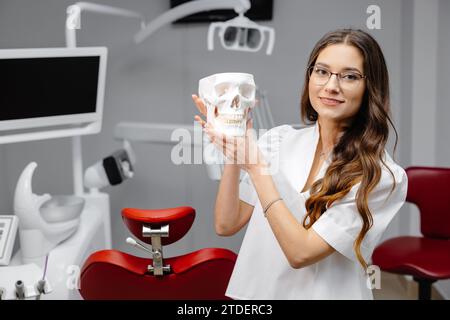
pixel 62 208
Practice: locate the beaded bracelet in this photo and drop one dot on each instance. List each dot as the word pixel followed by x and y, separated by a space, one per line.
pixel 269 205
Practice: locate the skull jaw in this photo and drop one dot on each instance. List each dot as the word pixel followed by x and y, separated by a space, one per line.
pixel 233 130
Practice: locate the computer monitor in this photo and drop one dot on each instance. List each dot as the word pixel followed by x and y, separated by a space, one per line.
pixel 51 88
pixel 259 10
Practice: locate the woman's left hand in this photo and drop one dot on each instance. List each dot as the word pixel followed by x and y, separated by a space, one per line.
pixel 242 151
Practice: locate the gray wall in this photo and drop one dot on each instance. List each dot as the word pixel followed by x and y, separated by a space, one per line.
pixel 443 113
pixel 443 94
pixel 153 82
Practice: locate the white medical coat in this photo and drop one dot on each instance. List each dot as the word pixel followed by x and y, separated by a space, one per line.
pixel 262 271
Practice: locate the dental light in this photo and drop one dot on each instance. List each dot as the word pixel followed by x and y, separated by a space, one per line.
pixel 240 33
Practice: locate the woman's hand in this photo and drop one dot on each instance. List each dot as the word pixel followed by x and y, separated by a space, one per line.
pixel 202 108
pixel 242 151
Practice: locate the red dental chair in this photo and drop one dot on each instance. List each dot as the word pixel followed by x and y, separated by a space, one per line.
pixel 426 258
pixel 202 275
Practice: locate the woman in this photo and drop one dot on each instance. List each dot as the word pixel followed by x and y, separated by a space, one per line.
pixel 317 200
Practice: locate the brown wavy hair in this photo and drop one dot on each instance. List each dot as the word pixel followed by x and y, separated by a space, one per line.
pixel 358 153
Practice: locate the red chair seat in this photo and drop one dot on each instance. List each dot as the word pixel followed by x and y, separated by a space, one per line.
pixel 420 257
pixel 111 274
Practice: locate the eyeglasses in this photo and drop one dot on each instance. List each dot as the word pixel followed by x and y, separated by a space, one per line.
pixel 348 80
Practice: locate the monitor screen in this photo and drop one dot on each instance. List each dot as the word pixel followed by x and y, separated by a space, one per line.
pixel 46 87
pixel 260 10
pixel 51 87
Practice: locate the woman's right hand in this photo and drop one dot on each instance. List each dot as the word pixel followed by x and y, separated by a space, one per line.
pixel 202 108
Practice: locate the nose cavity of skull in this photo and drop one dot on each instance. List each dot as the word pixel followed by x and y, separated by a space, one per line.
pixel 235 103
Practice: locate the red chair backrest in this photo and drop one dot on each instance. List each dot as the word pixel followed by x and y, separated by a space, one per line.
pixel 429 189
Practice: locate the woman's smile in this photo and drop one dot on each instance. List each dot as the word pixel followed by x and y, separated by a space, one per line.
pixel 330 101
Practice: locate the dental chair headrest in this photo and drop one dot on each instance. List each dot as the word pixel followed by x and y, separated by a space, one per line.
pixel 179 219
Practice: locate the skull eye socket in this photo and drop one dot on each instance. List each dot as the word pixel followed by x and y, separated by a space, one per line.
pixel 221 89
pixel 246 90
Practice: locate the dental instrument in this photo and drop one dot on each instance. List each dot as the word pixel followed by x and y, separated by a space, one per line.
pixel 40 288
pixel 20 290
pixel 29 275
pixel 132 242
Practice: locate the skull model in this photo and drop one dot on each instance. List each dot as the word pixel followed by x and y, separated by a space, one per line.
pixel 228 97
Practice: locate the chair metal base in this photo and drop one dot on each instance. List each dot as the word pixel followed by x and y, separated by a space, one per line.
pixel 424 288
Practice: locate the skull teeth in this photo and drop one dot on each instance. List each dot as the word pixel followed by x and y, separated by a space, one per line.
pixel 237 117
pixel 231 119
pixel 232 122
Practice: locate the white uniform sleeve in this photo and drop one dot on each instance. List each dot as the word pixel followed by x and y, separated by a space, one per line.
pixel 247 192
pixel 268 144
pixel 341 223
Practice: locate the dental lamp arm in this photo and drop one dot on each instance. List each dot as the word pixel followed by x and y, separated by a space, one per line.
pixel 240 6
pixel 74 15
pixel 73 22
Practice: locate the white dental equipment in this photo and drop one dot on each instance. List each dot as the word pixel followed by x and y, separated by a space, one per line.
pixel 8 231
pixel 31 285
pixel 242 34
pixel 111 170
pixel 52 224
pixel 228 98
pixel 44 220
pixel 239 34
